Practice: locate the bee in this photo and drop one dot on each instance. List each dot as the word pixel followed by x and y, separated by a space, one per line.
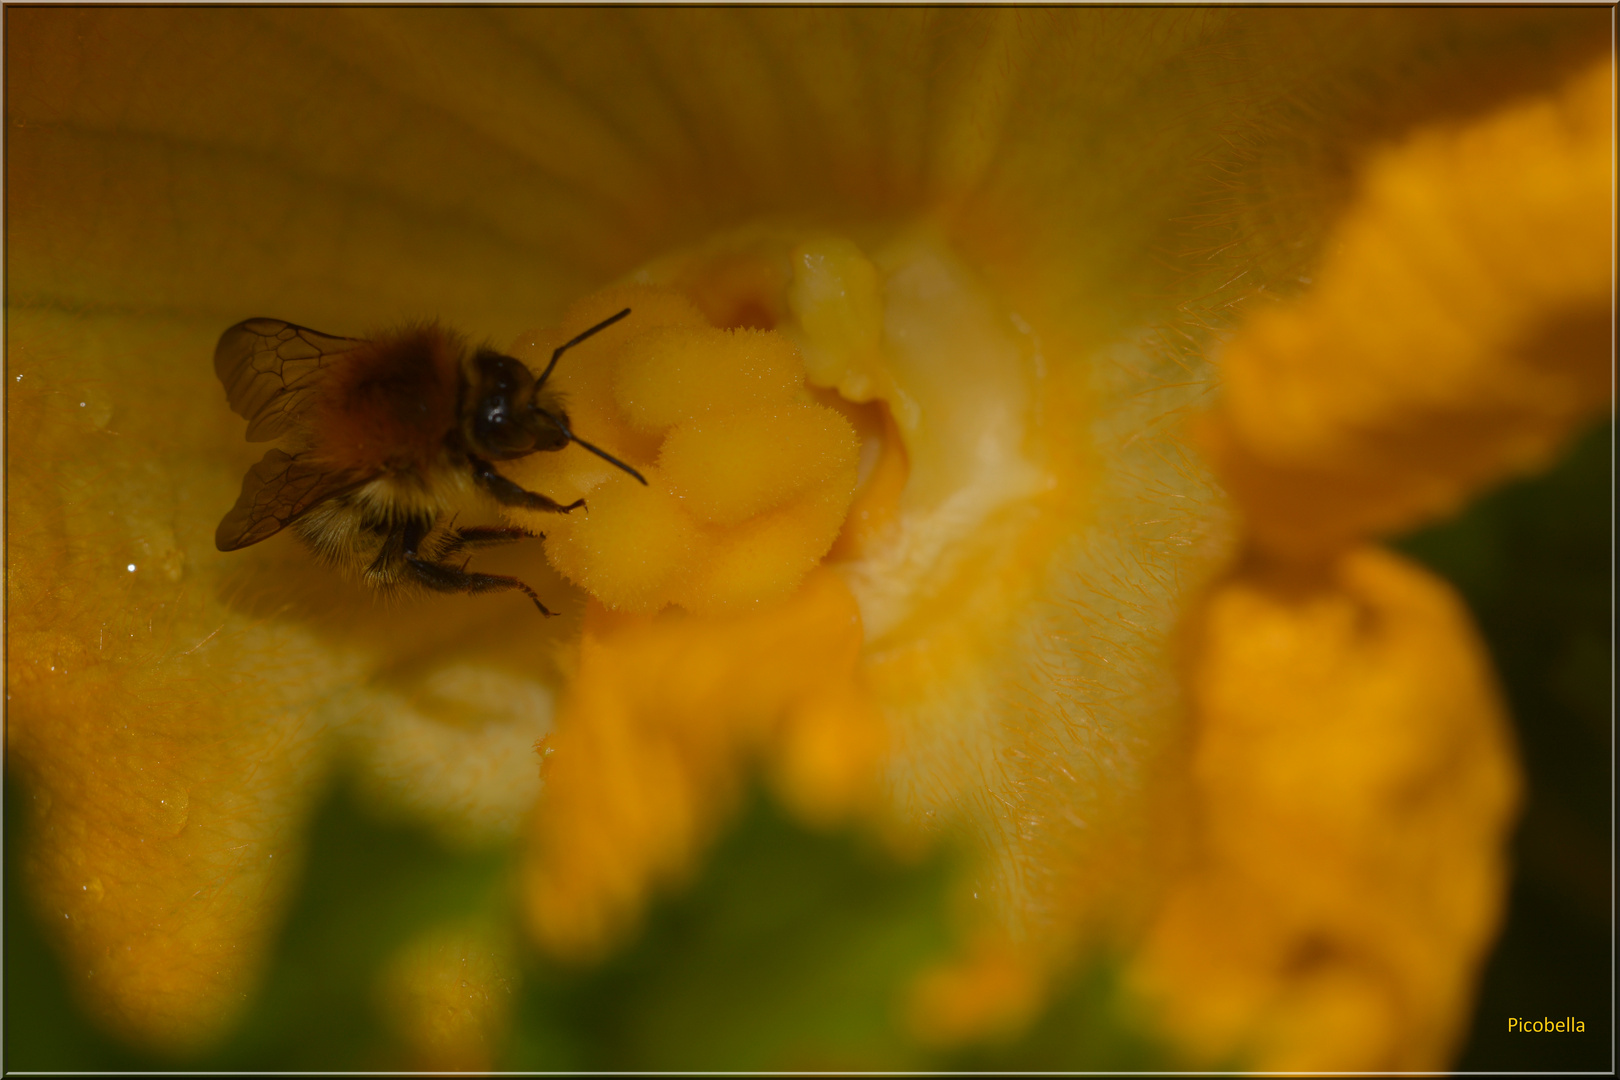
pixel 384 438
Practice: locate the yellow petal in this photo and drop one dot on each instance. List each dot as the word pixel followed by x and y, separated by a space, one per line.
pixel 351 167
pixel 1353 783
pixel 169 768
pixel 1456 333
pixel 449 994
pixel 649 755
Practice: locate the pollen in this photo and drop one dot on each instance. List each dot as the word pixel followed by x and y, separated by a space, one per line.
pixel 749 476
pixel 733 468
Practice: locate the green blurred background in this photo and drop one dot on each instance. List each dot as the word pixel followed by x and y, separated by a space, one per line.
pixel 790 949
pixel 1535 562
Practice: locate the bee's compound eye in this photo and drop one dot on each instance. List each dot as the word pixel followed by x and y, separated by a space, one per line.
pixel 494 412
pixel 499 424
pixel 496 428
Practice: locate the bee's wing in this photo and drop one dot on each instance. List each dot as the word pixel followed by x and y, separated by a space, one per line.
pixel 270 368
pixel 277 491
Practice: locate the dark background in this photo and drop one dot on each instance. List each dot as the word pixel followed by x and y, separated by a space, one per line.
pixel 1535 562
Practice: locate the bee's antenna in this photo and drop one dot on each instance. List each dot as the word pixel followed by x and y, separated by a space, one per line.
pixel 565 346
pixel 562 425
pixel 605 456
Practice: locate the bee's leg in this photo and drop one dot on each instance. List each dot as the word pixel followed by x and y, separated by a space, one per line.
pixel 508 493
pixel 441 578
pixel 384 568
pixel 483 536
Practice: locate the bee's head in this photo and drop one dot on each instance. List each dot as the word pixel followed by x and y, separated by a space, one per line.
pixel 505 414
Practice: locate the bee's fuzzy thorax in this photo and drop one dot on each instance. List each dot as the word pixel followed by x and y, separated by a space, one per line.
pixel 390 404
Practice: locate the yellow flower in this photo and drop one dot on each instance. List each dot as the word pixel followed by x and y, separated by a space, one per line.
pixel 1350 760
pixel 953 596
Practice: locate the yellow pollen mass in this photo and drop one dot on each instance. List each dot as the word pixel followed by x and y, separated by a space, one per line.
pixel 734 467
pixel 749 477
pixel 665 377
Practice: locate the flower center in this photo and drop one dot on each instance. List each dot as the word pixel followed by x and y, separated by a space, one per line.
pixel 791 399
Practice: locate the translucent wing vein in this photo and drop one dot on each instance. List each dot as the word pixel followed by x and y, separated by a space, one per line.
pixel 270 370
pixel 277 491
